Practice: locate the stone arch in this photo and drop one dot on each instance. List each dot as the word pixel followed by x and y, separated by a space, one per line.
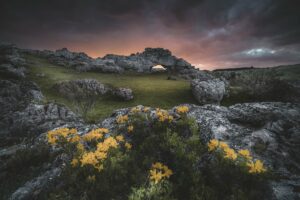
pixel 158 67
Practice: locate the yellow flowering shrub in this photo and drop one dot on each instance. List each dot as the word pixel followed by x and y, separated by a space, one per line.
pixel 61 133
pixel 163 116
pixel 122 119
pixel 94 135
pixel 245 153
pixel 213 144
pixel 130 128
pixel 244 156
pixel 182 109
pixel 256 167
pixel 74 162
pixel 88 156
pixel 116 165
pixel 120 138
pixel 91 178
pixel 128 145
pixel 159 171
pixel 135 110
pixel 230 154
pixel 146 109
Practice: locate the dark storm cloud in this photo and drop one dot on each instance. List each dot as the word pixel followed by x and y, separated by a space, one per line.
pixel 211 33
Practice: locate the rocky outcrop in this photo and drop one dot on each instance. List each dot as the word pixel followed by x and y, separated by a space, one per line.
pixel 33 187
pixel 11 63
pixel 209 91
pixel 22 113
pixel 143 62
pixel 16 95
pixel 269 130
pixel 139 62
pixel 86 88
pixel 123 93
pixel 75 87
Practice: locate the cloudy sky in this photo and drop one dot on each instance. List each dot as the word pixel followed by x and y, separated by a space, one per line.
pixel 207 33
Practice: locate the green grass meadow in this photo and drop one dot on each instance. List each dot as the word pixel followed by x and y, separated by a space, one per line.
pixel 149 89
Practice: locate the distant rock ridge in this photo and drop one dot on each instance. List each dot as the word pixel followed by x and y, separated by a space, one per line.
pixel 140 62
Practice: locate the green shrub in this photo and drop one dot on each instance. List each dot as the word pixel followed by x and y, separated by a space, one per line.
pixel 151 155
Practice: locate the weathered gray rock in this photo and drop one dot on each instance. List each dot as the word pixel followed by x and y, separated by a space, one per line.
pixel 33 188
pixel 209 91
pixel 21 112
pixel 85 88
pixel 75 87
pixel 270 130
pixel 123 93
pixel 11 62
pixel 15 95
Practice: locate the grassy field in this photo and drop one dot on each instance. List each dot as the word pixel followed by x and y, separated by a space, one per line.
pixel 290 72
pixel 149 89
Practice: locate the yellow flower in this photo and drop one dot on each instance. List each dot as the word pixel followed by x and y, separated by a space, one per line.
pixel 157 165
pixel 128 145
pixel 89 158
pixel 182 109
pixel 99 167
pixel 74 139
pixel 120 138
pixel 170 118
pixel 135 110
pixel 159 171
pixel 74 162
pixel 146 109
pixel 100 155
pixel 230 154
pixel 80 147
pixel 102 147
pixel 168 173
pixel 91 178
pixel 106 144
pixel 102 130
pixel 223 145
pixel 92 135
pixel 256 167
pixel 213 144
pixel 122 119
pixel 73 131
pixel 62 133
pixel 163 115
pixel 111 142
pixel 130 128
pixel 156 176
pixel 245 153
pixel 51 136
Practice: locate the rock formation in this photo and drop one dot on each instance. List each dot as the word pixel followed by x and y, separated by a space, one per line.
pixel 123 93
pixel 86 88
pixel 139 62
pixel 11 63
pixel 22 113
pixel 209 91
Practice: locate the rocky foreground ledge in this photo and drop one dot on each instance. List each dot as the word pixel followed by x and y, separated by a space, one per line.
pixel 269 130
